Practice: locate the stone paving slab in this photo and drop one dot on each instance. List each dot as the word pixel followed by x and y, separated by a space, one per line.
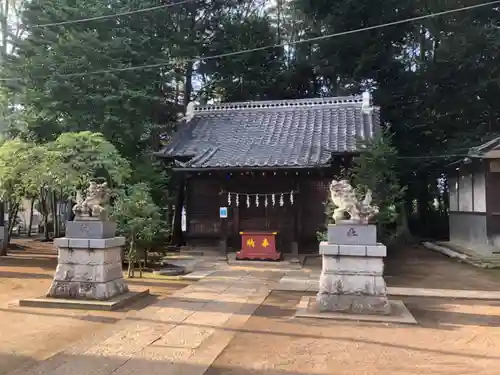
pixel 185 336
pixel 197 275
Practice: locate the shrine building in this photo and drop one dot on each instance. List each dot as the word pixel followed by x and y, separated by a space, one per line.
pixel 262 169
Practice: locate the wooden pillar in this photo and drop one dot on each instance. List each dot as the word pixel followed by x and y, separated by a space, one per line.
pixel 223 221
pixel 236 219
pixel 177 237
pixel 294 250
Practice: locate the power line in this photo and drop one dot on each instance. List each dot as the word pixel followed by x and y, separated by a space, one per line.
pixel 103 17
pixel 443 156
pixel 285 44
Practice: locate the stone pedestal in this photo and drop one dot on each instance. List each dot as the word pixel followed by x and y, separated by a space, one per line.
pixel 89 263
pixel 352 280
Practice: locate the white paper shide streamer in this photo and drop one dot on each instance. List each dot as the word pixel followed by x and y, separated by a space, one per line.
pixel 261 199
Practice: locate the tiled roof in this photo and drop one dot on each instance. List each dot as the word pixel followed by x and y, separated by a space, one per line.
pixel 492 145
pixel 289 133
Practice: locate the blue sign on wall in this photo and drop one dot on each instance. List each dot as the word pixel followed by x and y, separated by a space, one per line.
pixel 223 212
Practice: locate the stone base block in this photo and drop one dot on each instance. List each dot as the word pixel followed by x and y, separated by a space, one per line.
pixel 90 229
pixel 352 234
pixel 326 248
pixel 90 256
pixel 98 273
pixel 87 290
pixel 353 303
pixel 61 303
pixel 84 243
pixel 378 250
pixel 307 308
pixel 332 283
pixel 353 265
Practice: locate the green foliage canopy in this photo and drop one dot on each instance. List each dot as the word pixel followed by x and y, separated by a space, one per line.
pixel 137 216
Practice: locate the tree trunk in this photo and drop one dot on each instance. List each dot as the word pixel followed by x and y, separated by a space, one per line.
pixel 30 222
pixel 55 216
pixel 13 210
pixel 4 26
pixel 403 229
pixel 131 257
pixel 2 214
pixel 46 236
pixel 3 246
pixel 423 200
pixel 44 209
pixel 188 86
pixel 169 217
pixel 70 214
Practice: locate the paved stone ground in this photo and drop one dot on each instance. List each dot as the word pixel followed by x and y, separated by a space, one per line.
pixel 228 324
pixel 454 337
pixel 182 334
pixel 29 335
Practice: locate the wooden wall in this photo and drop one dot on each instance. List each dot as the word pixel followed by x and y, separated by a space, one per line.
pixel 206 193
pixel 475 204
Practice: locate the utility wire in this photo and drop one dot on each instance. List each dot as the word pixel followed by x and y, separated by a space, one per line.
pixel 103 17
pixel 285 44
pixel 444 156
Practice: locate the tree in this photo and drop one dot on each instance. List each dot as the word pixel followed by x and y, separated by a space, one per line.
pixel 10 28
pixel 16 177
pixel 138 219
pixel 435 79
pixel 74 159
pixel 254 76
pixel 70 163
pixel 376 169
pixel 127 107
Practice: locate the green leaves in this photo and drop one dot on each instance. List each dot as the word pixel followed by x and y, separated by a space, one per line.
pixel 137 216
pixel 17 173
pixel 76 158
pixel 66 164
pixel 375 169
pixel 121 105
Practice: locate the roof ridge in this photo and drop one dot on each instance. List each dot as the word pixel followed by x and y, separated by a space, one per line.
pixel 291 103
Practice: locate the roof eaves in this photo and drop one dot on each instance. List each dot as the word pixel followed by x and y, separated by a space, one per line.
pixel 485 147
pixel 246 168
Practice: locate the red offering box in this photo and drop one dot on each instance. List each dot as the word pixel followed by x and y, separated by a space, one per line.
pixel 258 246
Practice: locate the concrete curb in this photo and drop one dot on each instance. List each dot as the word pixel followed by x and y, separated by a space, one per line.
pixel 446 251
pixel 457 255
pixel 310 286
